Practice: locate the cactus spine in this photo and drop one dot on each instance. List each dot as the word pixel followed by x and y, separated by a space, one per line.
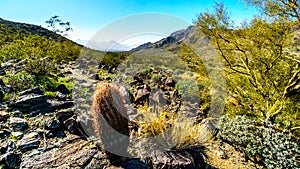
pixel 110 120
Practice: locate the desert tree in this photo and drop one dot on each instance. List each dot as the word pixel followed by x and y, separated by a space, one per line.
pixel 262 71
pixel 58 26
pixel 278 8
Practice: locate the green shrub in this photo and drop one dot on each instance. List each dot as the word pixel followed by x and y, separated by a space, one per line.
pixel 20 81
pixel 187 88
pixel 155 77
pixel 50 94
pixel 265 143
pixel 103 73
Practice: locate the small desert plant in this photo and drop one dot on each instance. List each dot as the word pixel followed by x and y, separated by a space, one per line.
pixel 187 88
pixel 173 131
pixel 264 143
pixel 156 77
pixel 110 119
pixel 103 73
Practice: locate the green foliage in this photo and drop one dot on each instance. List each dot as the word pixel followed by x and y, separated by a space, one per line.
pixel 114 58
pixel 53 82
pixel 38 57
pixel 187 88
pixel 50 94
pixel 155 77
pixel 192 60
pixel 289 9
pixel 265 143
pixel 103 73
pixel 20 81
pixel 260 70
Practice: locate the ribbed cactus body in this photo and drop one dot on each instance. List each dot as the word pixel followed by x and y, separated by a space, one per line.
pixel 110 119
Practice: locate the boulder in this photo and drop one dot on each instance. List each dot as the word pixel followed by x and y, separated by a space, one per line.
pixel 1 82
pixel 63 115
pixel 59 96
pixel 18 124
pixel 51 124
pixel 171 160
pixel 62 89
pixel 4 133
pixel 1 96
pixel 30 100
pixel 2 71
pixel 73 152
pixel 7 146
pixel 28 142
pixel 10 159
pixel 71 125
pixel 170 82
pixel 3 115
pixel 27 145
pixel 46 107
pixel 35 90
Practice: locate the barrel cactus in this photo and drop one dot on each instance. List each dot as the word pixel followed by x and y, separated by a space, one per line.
pixel 110 119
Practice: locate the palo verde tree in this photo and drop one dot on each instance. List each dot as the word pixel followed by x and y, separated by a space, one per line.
pixel 278 8
pixel 262 71
pixel 58 26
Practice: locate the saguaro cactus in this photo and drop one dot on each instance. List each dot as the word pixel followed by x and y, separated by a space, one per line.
pixel 110 120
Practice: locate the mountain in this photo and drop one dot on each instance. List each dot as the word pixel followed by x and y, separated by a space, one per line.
pixel 32 29
pixel 188 35
pixel 111 46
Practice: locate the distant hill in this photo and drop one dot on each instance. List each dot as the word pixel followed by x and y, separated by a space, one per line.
pixel 33 29
pixel 172 42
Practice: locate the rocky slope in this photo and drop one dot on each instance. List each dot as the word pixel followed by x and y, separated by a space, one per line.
pixel 41 132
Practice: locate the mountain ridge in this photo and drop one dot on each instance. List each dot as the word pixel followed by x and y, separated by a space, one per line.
pixel 35 30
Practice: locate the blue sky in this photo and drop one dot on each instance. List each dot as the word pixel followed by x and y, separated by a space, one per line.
pixel 89 16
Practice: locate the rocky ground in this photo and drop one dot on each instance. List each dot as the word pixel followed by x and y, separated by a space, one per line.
pixel 41 132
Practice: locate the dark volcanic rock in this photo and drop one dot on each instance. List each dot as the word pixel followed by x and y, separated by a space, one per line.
pixel 2 71
pixel 171 159
pixel 1 96
pixel 10 145
pixel 28 142
pixel 61 97
pixel 28 145
pixel 63 115
pixel 136 164
pixel 7 146
pixel 49 106
pixel 62 89
pixel 30 100
pixel 71 125
pixel 57 105
pixel 4 133
pixel 1 82
pixel 17 123
pixel 51 124
pixel 73 153
pixel 170 82
pixel 10 159
pixel 3 115
pixel 35 90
